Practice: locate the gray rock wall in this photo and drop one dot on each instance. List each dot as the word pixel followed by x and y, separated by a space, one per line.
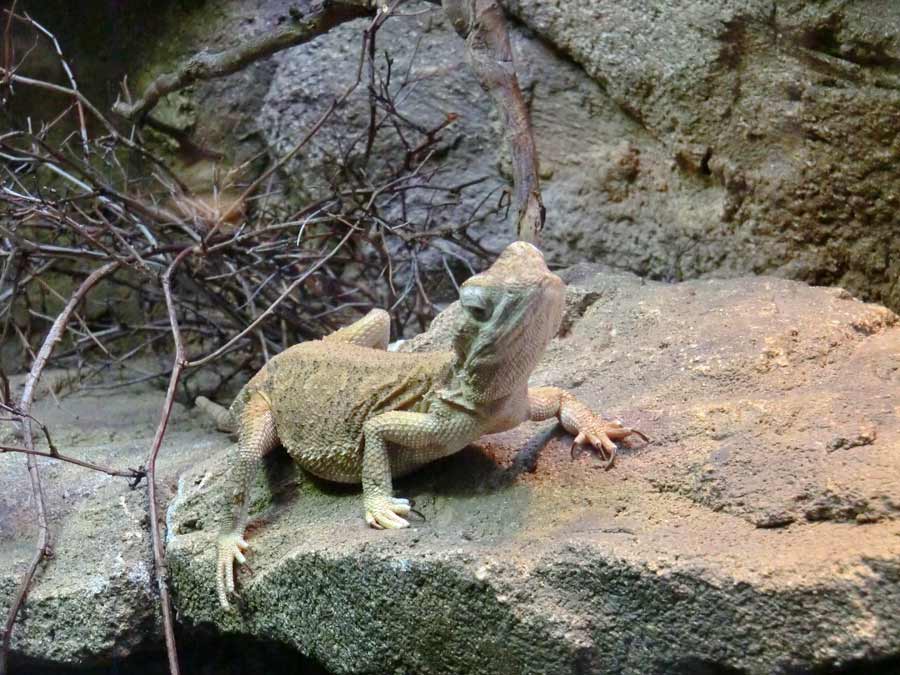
pixel 677 140
pixel 785 114
pixel 716 138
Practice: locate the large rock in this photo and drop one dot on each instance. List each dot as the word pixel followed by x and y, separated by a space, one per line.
pixel 758 531
pixel 778 120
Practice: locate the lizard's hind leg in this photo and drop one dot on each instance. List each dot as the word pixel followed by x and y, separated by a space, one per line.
pixel 257 436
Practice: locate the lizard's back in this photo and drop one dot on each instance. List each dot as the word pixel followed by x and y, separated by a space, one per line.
pixel 322 393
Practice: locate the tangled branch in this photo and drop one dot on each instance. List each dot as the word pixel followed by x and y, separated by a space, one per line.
pixel 225 283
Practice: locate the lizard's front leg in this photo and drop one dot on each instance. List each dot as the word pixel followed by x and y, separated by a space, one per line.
pixel 579 420
pixel 373 330
pixel 429 436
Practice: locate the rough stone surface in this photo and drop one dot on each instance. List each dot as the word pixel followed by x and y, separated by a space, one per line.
pixel 678 140
pixel 758 532
pixel 95 599
pixel 784 114
pixel 717 138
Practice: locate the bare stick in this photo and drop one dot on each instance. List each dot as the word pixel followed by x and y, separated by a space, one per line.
pixel 134 474
pixel 43 547
pixel 324 15
pixel 19 414
pixel 368 38
pixel 232 211
pixel 271 308
pixel 159 557
pixel 90 107
pixel 482 24
pixel 65 66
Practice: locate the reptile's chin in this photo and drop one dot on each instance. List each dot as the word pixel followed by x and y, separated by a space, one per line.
pixel 511 312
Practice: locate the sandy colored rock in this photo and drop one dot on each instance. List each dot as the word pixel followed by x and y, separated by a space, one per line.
pixel 759 531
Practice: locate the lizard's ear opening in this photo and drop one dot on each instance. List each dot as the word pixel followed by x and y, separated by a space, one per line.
pixel 476 302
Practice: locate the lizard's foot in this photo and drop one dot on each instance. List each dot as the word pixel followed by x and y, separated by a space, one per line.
pixel 602 440
pixel 385 512
pixel 231 548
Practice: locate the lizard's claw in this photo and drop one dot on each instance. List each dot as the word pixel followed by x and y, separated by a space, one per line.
pixel 603 447
pixel 602 441
pixel 385 513
pixel 231 548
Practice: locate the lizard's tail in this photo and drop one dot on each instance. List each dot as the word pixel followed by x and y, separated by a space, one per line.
pixel 221 416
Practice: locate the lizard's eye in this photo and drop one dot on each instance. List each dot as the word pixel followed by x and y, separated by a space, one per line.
pixel 475 301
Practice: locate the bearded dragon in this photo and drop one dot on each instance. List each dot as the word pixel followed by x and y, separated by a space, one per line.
pixel 348 411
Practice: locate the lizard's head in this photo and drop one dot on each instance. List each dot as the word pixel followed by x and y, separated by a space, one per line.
pixel 511 312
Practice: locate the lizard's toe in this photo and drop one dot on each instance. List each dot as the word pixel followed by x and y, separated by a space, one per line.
pixel 602 440
pixel 385 514
pixel 603 447
pixel 618 432
pixel 231 549
pixel 400 506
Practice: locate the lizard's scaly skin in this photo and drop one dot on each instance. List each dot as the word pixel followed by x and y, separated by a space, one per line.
pixel 373 330
pixel 348 411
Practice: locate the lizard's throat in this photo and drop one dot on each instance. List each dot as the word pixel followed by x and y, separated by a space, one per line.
pixel 495 360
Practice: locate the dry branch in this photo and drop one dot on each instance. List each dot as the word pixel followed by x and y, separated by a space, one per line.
pixel 481 23
pixel 483 26
pixel 321 18
pixel 134 474
pixel 43 547
pixel 159 556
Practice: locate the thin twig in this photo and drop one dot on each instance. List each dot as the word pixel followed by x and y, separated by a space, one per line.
pixel 324 15
pixel 159 558
pixel 65 66
pixel 271 308
pixel 134 474
pixel 43 546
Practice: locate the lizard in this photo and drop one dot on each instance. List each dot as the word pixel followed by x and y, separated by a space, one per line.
pixel 347 410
